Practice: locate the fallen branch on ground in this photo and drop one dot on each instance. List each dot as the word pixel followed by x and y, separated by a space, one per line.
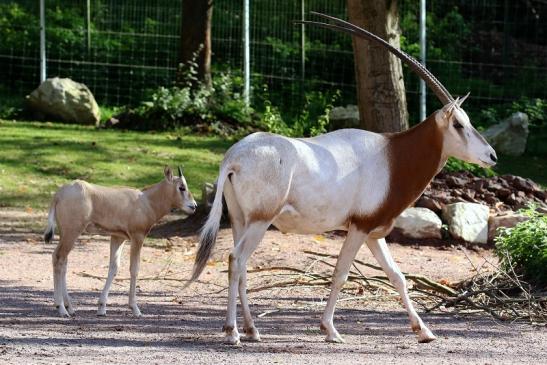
pixel 503 295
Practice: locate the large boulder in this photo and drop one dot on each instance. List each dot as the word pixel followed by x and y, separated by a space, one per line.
pixel 344 117
pixel 509 137
pixel 467 221
pixel 418 223
pixel 66 100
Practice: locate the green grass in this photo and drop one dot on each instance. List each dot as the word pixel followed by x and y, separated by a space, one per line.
pixel 37 158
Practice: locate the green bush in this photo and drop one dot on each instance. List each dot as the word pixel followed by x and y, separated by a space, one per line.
pixel 524 247
pixel 455 165
pixel 218 109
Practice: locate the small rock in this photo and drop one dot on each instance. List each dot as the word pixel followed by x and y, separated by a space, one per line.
pixel 467 221
pixel 429 203
pixel 111 122
pixel 455 182
pixel 503 193
pixel 509 136
pixel 526 185
pixel 344 117
pixel 507 220
pixel 419 223
pixel 208 191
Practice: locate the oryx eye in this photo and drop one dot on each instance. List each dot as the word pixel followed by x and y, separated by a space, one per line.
pixel 182 188
pixel 457 125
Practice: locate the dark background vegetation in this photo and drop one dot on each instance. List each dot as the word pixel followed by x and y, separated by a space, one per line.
pixel 495 49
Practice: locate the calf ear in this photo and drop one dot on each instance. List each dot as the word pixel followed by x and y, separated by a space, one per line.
pixel 168 174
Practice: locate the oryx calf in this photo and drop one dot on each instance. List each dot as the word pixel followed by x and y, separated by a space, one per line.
pixel 348 179
pixel 123 213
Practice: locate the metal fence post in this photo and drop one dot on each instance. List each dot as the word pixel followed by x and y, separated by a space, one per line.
pixel 246 55
pixel 302 40
pixel 423 91
pixel 42 41
pixel 88 24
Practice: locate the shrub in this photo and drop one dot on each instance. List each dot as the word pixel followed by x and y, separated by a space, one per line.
pixel 219 108
pixel 455 165
pixel 524 247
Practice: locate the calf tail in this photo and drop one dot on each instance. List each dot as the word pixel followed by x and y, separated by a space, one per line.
pixel 50 230
pixel 209 231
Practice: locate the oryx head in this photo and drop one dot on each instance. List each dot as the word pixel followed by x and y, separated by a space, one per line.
pixel 460 139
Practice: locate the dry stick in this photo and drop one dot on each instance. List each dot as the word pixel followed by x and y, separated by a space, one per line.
pixel 419 279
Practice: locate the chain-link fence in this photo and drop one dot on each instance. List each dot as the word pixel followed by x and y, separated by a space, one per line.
pixel 495 49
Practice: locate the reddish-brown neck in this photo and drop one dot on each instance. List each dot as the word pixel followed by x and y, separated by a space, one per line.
pixel 414 156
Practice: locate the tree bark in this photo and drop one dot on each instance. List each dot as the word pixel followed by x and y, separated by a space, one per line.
pixel 379 74
pixel 195 37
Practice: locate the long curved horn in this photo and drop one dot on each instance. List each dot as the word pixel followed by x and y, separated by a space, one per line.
pixel 346 27
pixel 180 171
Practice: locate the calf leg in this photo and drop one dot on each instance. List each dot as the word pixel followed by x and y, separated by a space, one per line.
pixel 59 261
pixel 381 252
pixel 66 298
pixel 134 264
pixel 250 239
pixel 353 242
pixel 116 245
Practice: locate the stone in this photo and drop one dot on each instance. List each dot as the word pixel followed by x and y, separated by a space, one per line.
pixel 66 100
pixel 506 220
pixel 429 203
pixel 503 193
pixel 455 182
pixel 419 223
pixel 467 221
pixel 509 136
pixel 208 191
pixel 526 185
pixel 344 117
pixel 111 122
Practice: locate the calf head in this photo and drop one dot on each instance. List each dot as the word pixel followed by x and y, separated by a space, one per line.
pixel 181 196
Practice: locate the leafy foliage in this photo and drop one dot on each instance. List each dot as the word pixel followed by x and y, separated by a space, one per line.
pixel 218 108
pixel 524 247
pixel 454 165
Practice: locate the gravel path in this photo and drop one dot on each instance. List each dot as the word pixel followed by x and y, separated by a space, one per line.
pixel 184 326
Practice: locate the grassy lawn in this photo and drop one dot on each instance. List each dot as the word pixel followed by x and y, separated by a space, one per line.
pixel 36 158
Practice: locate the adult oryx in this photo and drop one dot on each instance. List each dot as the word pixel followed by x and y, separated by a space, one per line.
pixel 348 179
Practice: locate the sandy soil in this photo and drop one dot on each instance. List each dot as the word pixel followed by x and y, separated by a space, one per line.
pixel 185 326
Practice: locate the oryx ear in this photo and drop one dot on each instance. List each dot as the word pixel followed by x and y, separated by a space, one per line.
pixel 462 99
pixel 449 108
pixel 168 174
pixel 180 171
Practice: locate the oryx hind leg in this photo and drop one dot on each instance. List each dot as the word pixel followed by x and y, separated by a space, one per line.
pixel 237 221
pixel 246 245
pixel 60 261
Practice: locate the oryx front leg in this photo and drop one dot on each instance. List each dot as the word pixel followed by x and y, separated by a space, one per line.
pixel 237 264
pixel 115 255
pixel 353 242
pixel 134 264
pixel 381 252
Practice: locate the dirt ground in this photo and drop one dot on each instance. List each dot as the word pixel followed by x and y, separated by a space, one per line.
pixel 185 326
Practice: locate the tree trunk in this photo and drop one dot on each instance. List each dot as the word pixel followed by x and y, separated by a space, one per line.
pixel 195 38
pixel 379 74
